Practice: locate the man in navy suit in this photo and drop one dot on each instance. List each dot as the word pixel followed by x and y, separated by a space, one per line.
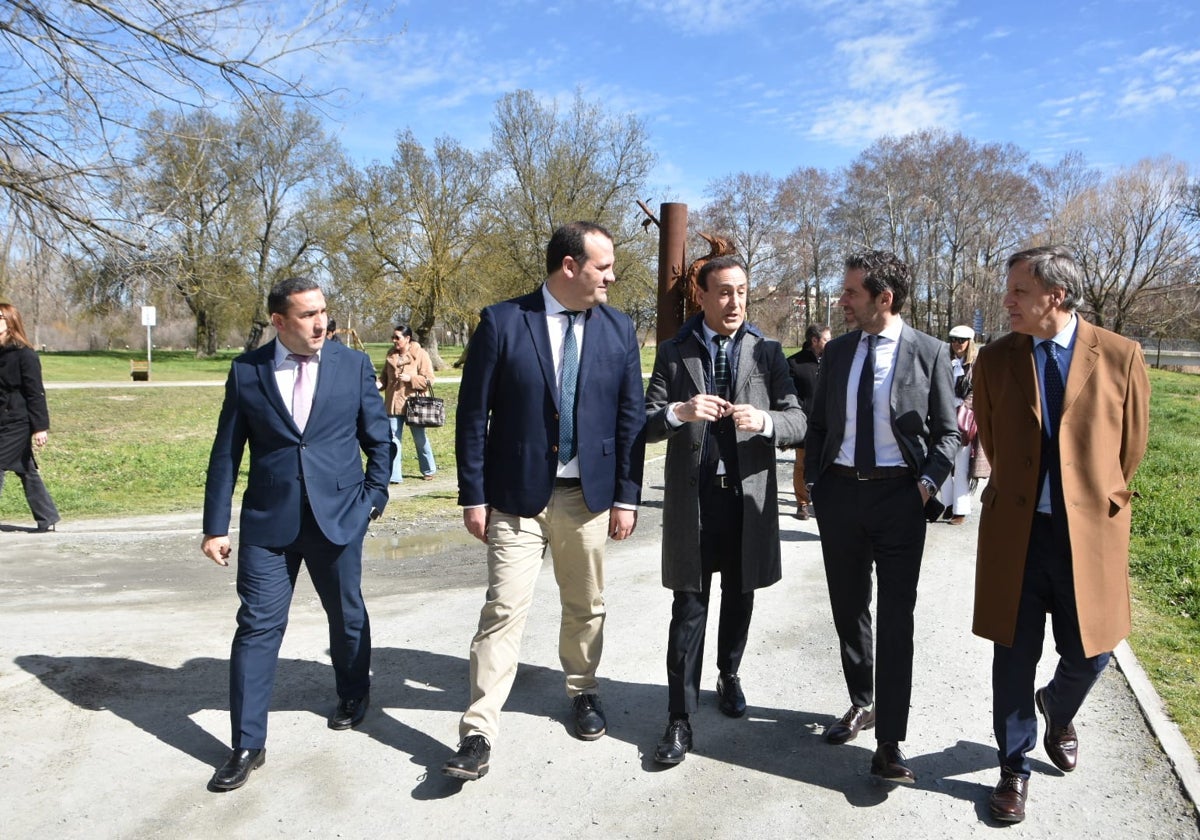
pixel 306 407
pixel 550 453
pixel 881 438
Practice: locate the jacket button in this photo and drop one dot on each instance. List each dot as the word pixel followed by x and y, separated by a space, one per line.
pixel 554 448
pixel 1029 462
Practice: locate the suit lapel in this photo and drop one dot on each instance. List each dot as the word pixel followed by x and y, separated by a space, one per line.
pixel 904 361
pixel 745 363
pixel 695 362
pixel 266 378
pixel 1083 362
pixel 1022 363
pixel 539 334
pixel 327 372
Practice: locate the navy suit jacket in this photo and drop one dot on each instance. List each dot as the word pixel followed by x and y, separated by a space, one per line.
pixel 922 405
pixel 506 434
pixel 347 418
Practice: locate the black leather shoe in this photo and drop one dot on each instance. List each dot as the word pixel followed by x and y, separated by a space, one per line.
pixel 730 699
pixel 676 743
pixel 236 769
pixel 589 717
pixel 850 725
pixel 1061 742
pixel 471 760
pixel 888 764
pixel 1007 802
pixel 350 712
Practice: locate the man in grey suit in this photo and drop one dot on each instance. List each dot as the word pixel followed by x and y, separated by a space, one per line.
pixel 881 439
pixel 722 397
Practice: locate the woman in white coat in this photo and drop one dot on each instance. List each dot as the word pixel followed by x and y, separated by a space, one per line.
pixel 955 493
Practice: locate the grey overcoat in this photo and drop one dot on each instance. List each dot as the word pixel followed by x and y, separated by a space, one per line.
pixel 762 380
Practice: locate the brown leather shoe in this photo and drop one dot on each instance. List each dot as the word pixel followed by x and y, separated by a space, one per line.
pixel 848 727
pixel 888 764
pixel 1007 802
pixel 1061 743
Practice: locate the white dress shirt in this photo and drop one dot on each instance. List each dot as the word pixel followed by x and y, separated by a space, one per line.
pixel 887 449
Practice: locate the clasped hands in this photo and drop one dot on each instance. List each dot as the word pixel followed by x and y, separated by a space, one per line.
pixel 746 418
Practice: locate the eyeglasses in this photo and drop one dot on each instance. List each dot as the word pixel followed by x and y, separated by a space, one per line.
pixel 954 340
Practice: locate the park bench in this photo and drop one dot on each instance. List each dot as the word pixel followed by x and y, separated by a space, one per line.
pixel 139 370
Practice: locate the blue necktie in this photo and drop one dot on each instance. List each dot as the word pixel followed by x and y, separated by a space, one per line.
pixel 1055 389
pixel 721 367
pixel 864 433
pixel 566 392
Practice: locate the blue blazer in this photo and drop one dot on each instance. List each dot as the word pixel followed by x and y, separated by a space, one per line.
pixel 506 435
pixel 347 418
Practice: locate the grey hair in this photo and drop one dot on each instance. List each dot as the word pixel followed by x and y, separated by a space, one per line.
pixel 1055 267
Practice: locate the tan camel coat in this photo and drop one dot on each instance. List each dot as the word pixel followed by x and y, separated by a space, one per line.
pixel 1102 437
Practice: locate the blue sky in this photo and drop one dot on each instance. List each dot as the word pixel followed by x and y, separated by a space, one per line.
pixel 769 85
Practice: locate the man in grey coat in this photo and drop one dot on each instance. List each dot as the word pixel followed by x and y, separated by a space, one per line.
pixel 722 397
pixel 881 438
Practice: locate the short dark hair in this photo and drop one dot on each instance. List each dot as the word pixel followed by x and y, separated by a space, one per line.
pixel 813 331
pixel 404 330
pixel 884 270
pixel 567 241
pixel 718 264
pixel 277 300
pixel 1055 267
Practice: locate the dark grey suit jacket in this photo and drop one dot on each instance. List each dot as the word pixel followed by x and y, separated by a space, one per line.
pixel 922 402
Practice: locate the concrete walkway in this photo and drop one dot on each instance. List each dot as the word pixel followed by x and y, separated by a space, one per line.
pixel 114 640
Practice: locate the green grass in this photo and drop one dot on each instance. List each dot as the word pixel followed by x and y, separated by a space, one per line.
pixel 1165 550
pixel 113 365
pixel 141 451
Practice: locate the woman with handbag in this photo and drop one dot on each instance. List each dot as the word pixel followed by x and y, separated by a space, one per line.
pixel 955 493
pixel 407 371
pixel 24 418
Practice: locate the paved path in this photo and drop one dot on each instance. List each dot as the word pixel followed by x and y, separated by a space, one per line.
pixel 114 641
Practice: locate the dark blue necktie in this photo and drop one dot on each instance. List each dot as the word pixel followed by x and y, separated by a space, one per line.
pixel 864 433
pixel 566 392
pixel 721 367
pixel 1055 389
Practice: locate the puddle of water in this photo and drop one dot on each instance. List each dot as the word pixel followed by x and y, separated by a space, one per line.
pixel 410 546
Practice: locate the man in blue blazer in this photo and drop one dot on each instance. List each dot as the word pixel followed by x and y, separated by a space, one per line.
pixel 549 450
pixel 881 438
pixel 307 408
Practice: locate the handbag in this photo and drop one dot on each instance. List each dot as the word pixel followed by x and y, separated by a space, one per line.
pixel 425 410
pixel 966 422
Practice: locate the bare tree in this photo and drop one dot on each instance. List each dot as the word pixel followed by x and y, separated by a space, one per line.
pixel 79 76
pixel 1134 239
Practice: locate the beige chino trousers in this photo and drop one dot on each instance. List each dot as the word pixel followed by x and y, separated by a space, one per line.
pixel 516 547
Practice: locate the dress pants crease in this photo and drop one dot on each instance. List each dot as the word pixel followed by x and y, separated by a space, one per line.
pixel 1048 586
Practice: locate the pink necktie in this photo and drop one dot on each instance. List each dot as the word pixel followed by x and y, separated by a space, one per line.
pixel 302 391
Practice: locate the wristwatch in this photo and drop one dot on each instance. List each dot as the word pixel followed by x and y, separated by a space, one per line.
pixel 927 482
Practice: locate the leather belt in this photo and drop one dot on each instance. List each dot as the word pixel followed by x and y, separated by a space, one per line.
pixel 568 482
pixel 876 474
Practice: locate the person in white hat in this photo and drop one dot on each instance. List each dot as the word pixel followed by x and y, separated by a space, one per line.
pixel 955 492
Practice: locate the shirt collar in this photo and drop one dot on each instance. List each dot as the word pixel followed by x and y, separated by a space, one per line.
pixel 553 307
pixel 1066 337
pixel 891 332
pixel 282 353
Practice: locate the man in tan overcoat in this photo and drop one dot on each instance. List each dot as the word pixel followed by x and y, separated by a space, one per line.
pixel 1063 413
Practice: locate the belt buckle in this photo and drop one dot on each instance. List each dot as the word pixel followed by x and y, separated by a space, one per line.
pixel 860 477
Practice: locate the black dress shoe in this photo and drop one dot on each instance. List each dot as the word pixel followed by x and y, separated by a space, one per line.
pixel 589 717
pixel 676 743
pixel 730 699
pixel 236 770
pixel 1061 742
pixel 471 760
pixel 850 725
pixel 1007 802
pixel 350 712
pixel 888 764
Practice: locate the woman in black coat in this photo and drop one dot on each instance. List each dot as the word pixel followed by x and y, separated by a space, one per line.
pixel 24 418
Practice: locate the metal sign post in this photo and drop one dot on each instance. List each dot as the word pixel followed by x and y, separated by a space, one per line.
pixel 149 316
